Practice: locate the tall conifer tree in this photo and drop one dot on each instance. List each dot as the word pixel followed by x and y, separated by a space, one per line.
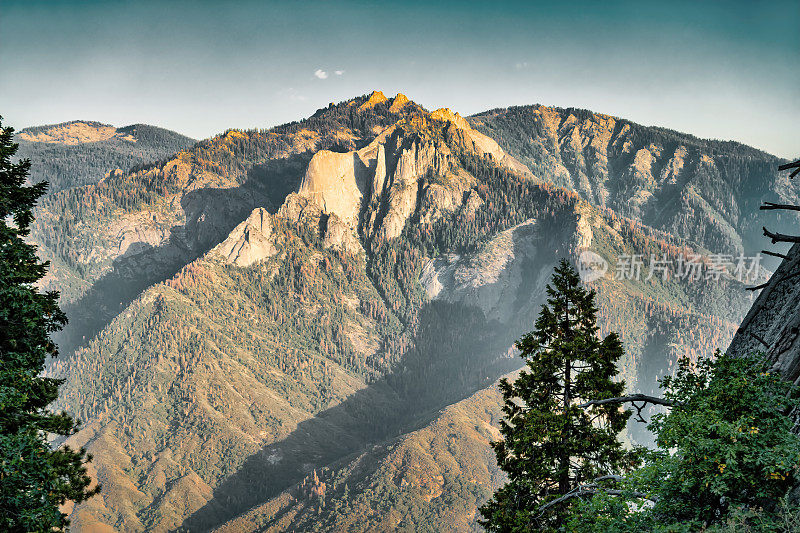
pixel 35 477
pixel 550 444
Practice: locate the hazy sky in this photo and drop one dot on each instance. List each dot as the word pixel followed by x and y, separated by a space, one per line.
pixel 716 69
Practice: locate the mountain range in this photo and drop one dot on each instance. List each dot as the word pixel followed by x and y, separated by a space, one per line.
pixel 301 328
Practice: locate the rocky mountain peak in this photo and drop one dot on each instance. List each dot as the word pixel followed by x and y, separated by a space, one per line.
pixel 477 141
pixel 375 98
pixel 387 175
pixel 398 103
pixel 447 115
pixel 390 176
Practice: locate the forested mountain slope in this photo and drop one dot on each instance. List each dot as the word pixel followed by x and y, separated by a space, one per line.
pixel 269 307
pixel 434 478
pixel 80 152
pixel 702 190
pixel 108 241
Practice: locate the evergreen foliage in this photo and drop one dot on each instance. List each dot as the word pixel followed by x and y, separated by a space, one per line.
pixel 726 454
pixel 731 438
pixel 35 479
pixel 551 444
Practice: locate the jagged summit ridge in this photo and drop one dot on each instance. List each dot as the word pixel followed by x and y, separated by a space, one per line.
pixel 398 103
pixel 388 173
pixel 377 97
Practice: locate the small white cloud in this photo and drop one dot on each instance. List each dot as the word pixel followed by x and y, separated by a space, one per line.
pixel 339 72
pixel 522 65
pixel 321 74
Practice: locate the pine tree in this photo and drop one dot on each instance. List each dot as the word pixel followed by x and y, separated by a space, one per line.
pixel 35 478
pixel 550 444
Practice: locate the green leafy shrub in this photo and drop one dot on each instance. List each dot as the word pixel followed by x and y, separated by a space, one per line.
pixel 726 455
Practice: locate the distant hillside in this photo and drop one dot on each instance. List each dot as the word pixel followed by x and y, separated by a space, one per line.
pixel 78 153
pixel 705 191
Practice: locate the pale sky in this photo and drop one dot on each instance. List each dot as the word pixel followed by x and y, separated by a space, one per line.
pixel 726 70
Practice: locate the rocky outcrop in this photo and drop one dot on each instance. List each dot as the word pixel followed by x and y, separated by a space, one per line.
pixel 76 132
pixel 340 236
pixel 335 232
pixel 375 98
pixel 446 115
pixel 401 172
pixel 583 233
pixel 379 177
pixel 473 203
pixel 412 163
pixel 772 326
pixel 136 234
pixel 336 181
pixel 250 241
pixel 437 200
pixel 398 103
pixel 477 141
pixel 297 208
pixel 389 175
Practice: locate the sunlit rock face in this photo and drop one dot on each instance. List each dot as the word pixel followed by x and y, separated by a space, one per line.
pixel 335 181
pixel 76 132
pixel 391 176
pixel 339 183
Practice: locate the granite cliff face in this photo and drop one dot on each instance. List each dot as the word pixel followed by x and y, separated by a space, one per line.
pixel 392 174
pixel 506 271
pixel 335 181
pixel 249 241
